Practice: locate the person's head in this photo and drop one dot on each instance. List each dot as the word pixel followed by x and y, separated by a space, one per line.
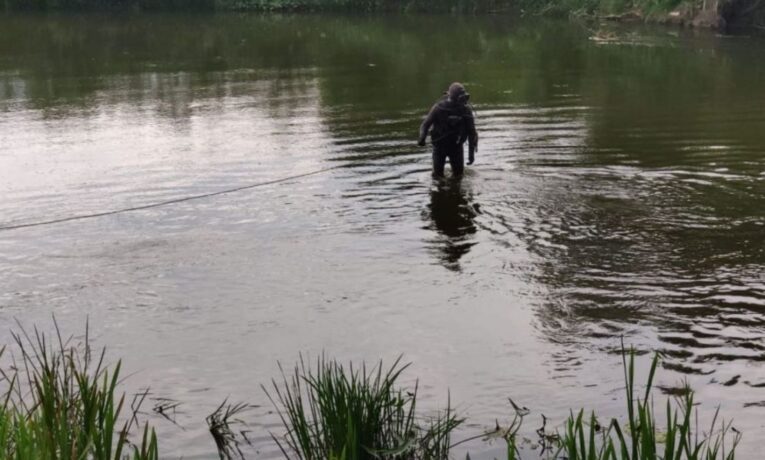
pixel 457 93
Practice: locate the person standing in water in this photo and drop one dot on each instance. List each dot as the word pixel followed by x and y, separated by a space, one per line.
pixel 452 123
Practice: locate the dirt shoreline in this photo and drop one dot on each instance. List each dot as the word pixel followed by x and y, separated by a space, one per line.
pixel 719 15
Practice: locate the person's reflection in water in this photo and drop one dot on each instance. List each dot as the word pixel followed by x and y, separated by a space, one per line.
pixel 452 215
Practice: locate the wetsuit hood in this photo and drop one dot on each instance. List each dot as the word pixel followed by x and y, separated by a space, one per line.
pixel 457 93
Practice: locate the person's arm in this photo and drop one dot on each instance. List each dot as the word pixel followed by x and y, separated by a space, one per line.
pixel 472 138
pixel 426 124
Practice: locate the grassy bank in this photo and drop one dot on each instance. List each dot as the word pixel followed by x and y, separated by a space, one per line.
pixel 560 7
pixel 63 402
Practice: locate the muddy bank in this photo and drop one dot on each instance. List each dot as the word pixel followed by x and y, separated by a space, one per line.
pixel 720 15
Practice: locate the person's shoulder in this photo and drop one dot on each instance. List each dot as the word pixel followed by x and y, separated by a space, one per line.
pixel 442 103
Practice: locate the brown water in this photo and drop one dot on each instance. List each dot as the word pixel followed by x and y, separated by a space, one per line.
pixel 619 190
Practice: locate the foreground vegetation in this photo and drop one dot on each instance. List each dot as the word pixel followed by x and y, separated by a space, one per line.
pixel 62 402
pixel 331 413
pixel 642 437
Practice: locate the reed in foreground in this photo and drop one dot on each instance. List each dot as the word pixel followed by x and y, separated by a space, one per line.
pixel 61 403
pixel 642 437
pixel 333 413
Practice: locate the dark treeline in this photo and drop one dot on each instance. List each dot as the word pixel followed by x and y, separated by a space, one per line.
pixel 475 6
pixel 720 14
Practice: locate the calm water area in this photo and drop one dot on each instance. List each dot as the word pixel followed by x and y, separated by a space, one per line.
pixel 619 190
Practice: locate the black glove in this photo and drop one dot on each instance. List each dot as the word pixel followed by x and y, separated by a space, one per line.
pixel 471 157
pixel 421 142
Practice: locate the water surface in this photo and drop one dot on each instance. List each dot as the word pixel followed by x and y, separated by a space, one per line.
pixel 619 190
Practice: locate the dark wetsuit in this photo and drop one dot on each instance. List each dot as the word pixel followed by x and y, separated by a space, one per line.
pixel 453 124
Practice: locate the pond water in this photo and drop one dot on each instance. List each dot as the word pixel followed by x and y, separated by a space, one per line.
pixel 619 190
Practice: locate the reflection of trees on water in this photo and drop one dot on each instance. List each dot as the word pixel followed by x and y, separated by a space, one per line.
pixel 623 265
pixel 627 254
pixel 682 256
pixel 165 64
pixel 388 63
pixel 667 235
pixel 452 214
pixel 384 64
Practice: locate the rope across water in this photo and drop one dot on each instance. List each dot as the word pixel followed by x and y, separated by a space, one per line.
pixel 163 203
